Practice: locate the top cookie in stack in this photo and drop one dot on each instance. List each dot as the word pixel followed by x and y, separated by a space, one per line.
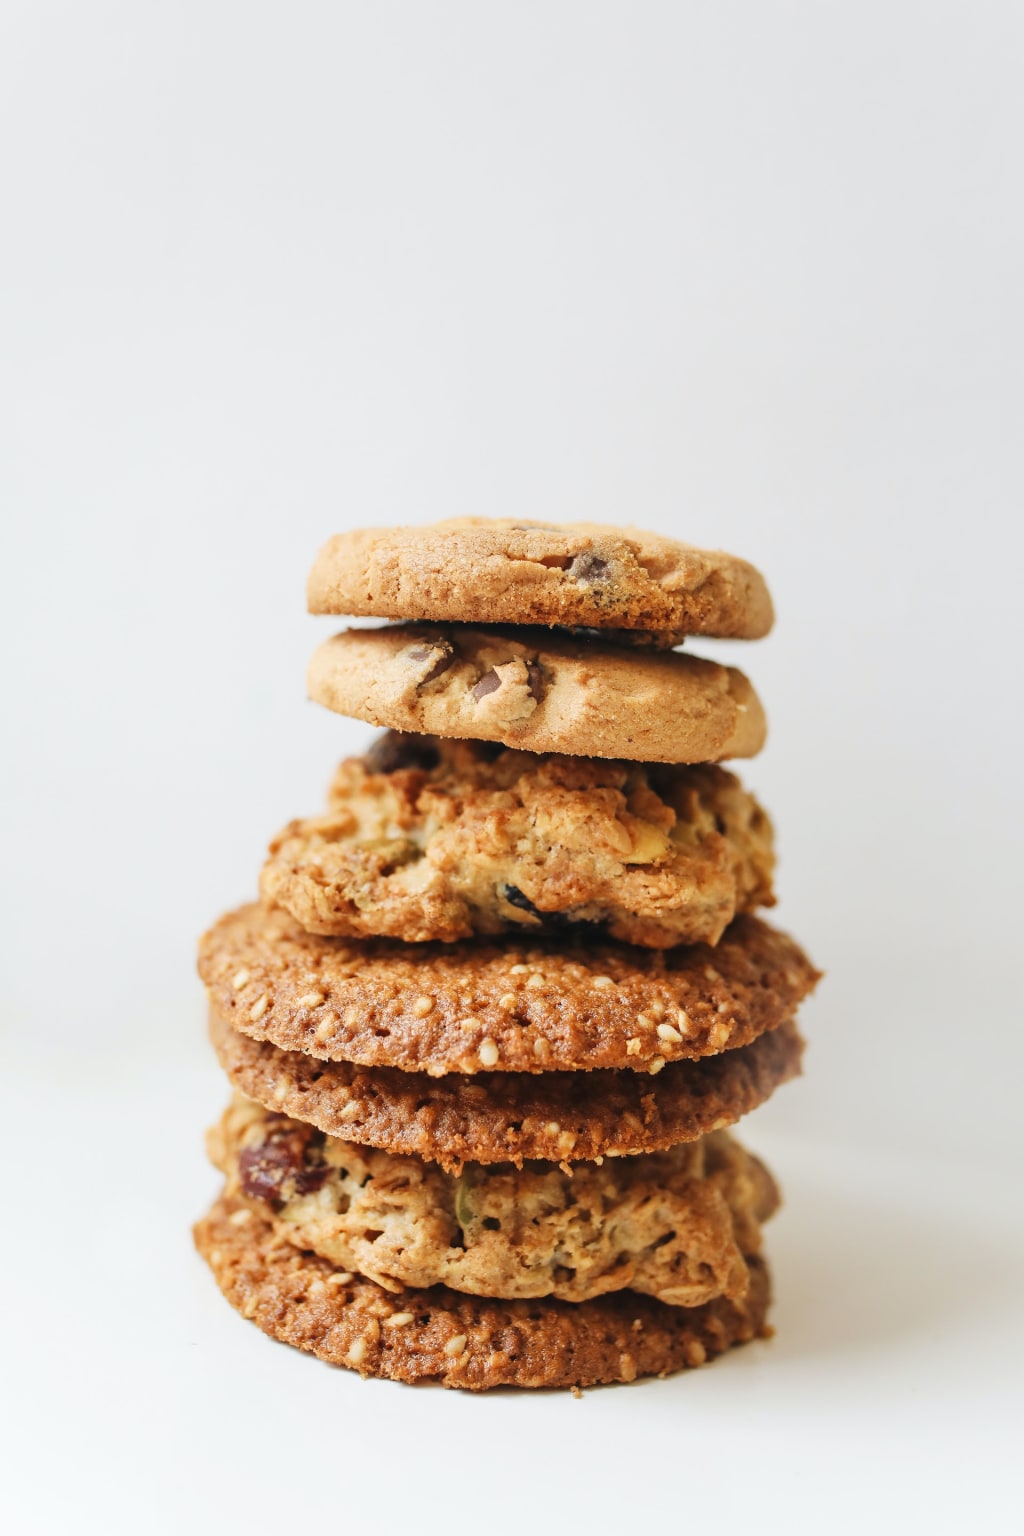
pixel 519 942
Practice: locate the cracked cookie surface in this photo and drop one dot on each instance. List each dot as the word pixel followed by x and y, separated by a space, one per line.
pixel 590 575
pixel 517 1006
pixel 674 1225
pixel 540 692
pixel 510 1117
pixel 428 838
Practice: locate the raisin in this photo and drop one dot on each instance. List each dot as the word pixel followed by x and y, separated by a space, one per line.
pixel 278 1167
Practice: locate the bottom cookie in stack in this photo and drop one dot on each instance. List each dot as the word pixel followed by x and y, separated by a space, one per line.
pixel 542 1275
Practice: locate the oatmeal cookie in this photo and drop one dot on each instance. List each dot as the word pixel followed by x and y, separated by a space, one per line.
pixel 513 1005
pixel 470 1342
pixel 427 838
pixel 675 1225
pixel 509 1117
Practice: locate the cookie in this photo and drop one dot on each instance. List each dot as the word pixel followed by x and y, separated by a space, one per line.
pixel 540 692
pixel 521 1007
pixel 483 571
pixel 508 1117
pixel 672 1224
pixel 460 838
pixel 462 1341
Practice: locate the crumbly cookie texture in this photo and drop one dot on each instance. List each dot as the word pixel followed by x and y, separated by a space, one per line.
pixel 484 570
pixel 540 692
pixel 674 1225
pixel 462 1341
pixel 428 838
pixel 487 1005
pixel 509 1117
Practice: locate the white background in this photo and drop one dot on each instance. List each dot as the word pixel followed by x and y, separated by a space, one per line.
pixel 748 273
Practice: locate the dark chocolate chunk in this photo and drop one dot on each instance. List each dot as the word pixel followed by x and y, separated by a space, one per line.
pixel 535 680
pixel 487 684
pixel 438 655
pixel 395 750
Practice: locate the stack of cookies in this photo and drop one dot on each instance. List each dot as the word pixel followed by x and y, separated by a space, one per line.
pixel 497 1006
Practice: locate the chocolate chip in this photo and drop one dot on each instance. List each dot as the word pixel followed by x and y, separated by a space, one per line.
pixel 590 568
pixel 487 684
pixel 280 1161
pixel 535 680
pixel 396 750
pixel 438 655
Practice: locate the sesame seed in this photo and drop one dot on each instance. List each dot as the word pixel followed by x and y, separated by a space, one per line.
pixel 541 1049
pixel 239 979
pixel 683 1020
pixel 357 1352
pixel 644 1021
pixel 259 1007
pixel 723 1008
pixel 352 1110
pixel 339 1277
pixel 718 1035
pixel 601 981
pixel 325 1029
pixel 317 1287
pixel 656 1065
pixel 711 973
pixel 239 1218
pixel 398 1320
pixel 470 1022
pixel 489 1053
pixel 310 1000
pixel 422 1006
pixel 281 1091
pixel 670 1033
pixel 552 1128
pixel 508 1001
pixel 455 1345
pixel 518 970
pixel 696 1354
pixel 535 980
pixel 633 1046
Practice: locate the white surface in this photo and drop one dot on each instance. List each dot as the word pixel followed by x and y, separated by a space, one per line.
pixel 747 273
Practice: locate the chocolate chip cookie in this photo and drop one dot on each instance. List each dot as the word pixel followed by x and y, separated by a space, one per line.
pixel 495 570
pixel 540 692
